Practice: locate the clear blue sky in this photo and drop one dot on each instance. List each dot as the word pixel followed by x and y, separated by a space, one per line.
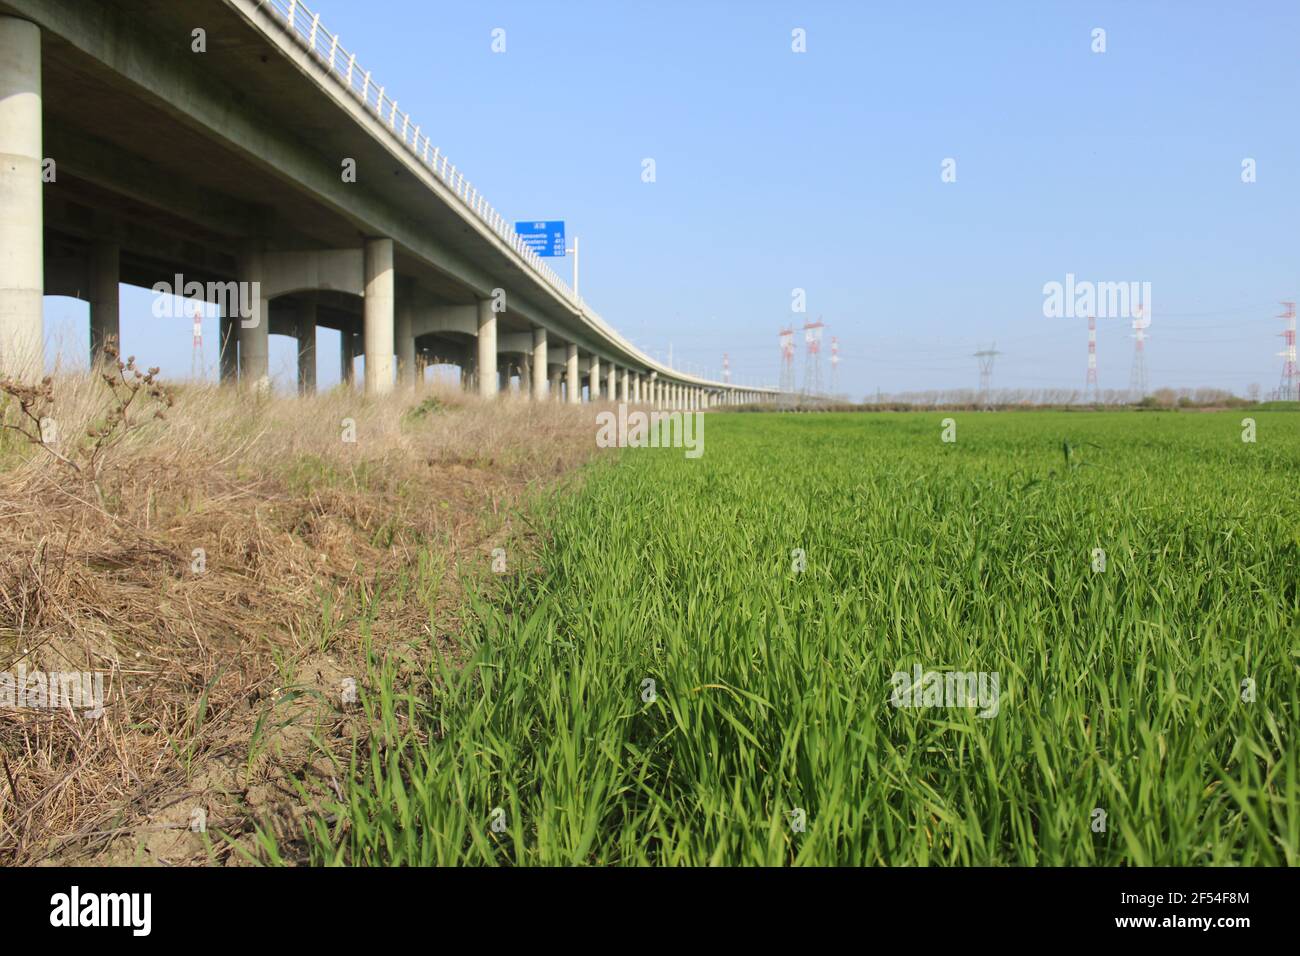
pixel 821 170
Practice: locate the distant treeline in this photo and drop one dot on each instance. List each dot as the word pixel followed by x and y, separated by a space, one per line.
pixel 1035 399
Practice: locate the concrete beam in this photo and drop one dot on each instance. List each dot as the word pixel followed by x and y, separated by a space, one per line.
pixel 227 350
pixel 347 358
pixel 518 343
pixel 22 239
pixel 539 364
pixel 125 174
pixel 526 377
pixel 445 318
pixel 571 376
pixel 105 318
pixel 254 330
pixel 404 339
pixel 379 316
pixel 487 349
pixel 306 336
pixel 330 270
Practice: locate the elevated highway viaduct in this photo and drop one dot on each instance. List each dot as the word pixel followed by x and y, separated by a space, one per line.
pixel 277 179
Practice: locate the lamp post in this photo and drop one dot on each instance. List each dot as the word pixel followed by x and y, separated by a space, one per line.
pixel 574 250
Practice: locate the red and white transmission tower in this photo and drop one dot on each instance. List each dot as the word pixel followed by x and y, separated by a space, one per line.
pixel 196 355
pixel 835 364
pixel 812 372
pixel 787 361
pixel 1287 388
pixel 1090 389
pixel 1137 379
pixel 726 368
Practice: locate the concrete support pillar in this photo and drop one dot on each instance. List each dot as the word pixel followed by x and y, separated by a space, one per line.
pixel 487 349
pixel 571 375
pixel 105 322
pixel 227 350
pixel 539 365
pixel 404 342
pixel 525 378
pixel 22 209
pixel 556 379
pixel 503 378
pixel 347 357
pixel 254 322
pixel 305 331
pixel 379 275
pixel 593 379
pixel 611 383
pixel 636 388
pixel 622 385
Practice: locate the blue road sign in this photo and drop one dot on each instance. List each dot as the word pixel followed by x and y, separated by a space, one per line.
pixel 544 238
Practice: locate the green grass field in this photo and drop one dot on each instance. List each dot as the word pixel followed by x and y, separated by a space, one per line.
pixel 1147 713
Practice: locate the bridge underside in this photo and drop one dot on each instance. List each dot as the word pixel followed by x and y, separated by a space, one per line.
pixel 136 159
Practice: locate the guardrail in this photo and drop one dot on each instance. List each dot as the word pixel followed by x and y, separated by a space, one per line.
pixel 305 27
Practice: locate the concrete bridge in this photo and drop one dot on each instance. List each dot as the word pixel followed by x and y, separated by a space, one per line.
pixel 237 145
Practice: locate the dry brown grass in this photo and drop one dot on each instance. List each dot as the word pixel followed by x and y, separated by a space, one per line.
pixel 98 575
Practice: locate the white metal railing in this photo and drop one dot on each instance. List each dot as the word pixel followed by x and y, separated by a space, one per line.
pixel 305 27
